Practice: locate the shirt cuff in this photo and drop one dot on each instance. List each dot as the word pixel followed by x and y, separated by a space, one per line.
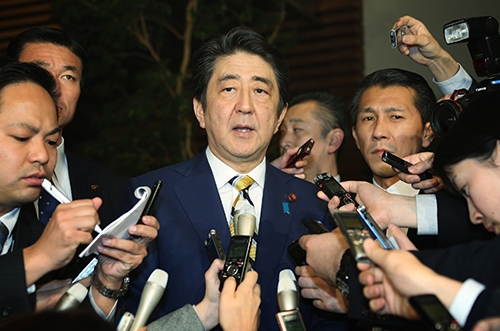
pixel 427 215
pixel 110 316
pixel 464 300
pixel 462 79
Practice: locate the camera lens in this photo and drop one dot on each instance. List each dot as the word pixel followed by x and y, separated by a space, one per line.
pixel 444 114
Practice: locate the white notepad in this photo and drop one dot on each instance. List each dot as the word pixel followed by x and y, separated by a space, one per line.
pixel 119 228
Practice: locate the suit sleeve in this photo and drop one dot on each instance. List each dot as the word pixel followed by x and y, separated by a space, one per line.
pixel 14 298
pixel 453 221
pixel 478 259
pixel 183 319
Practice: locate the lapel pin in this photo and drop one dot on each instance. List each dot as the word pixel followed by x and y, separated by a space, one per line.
pixel 285 208
pixel 94 186
pixel 292 197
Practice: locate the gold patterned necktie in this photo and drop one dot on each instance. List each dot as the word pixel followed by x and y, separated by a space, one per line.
pixel 242 184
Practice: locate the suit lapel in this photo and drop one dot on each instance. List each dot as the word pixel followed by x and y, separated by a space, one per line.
pixel 28 229
pixel 199 197
pixel 275 224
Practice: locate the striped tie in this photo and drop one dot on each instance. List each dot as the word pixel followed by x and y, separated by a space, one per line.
pixel 4 233
pixel 242 184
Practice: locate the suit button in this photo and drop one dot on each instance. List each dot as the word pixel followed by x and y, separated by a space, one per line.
pixel 5 311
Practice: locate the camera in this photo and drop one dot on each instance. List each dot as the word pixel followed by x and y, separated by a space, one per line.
pixel 481 34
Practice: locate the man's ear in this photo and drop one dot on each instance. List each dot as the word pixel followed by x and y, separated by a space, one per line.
pixel 355 136
pixel 334 139
pixel 428 135
pixel 199 112
pixel 281 117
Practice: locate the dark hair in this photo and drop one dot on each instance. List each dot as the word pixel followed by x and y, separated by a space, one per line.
pixel 46 36
pixel 424 96
pixel 474 136
pixel 13 72
pixel 332 112
pixel 237 40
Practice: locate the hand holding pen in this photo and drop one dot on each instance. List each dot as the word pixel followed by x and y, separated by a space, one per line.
pixel 59 196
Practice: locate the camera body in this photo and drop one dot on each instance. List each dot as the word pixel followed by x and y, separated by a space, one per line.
pixel 445 113
pixel 483 41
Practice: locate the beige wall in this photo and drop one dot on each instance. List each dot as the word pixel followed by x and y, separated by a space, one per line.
pixel 380 15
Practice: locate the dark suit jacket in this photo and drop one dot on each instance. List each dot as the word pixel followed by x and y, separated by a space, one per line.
pixel 189 206
pixel 454 225
pixel 13 292
pixel 89 180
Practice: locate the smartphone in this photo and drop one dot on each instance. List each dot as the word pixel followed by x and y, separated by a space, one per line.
pixel 149 204
pixel 297 254
pixel 403 165
pixel 213 246
pixel 313 226
pixel 396 35
pixel 434 313
pixel 328 184
pixel 302 152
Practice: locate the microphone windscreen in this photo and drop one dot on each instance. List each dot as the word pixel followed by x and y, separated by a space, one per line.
pixel 287 273
pixel 246 221
pixel 73 297
pixel 159 277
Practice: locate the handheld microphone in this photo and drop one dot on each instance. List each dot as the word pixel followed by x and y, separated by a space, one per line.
pixel 245 225
pixel 73 297
pixel 151 295
pixel 289 317
pixel 238 255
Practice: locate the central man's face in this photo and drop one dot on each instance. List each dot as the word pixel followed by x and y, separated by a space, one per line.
pixel 241 115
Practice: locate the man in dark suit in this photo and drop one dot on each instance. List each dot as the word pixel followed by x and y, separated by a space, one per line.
pixel 32 254
pixel 77 178
pixel 240 85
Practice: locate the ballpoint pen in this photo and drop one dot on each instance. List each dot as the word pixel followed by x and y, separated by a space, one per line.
pixel 59 196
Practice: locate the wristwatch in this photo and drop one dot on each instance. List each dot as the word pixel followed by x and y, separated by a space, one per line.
pixel 109 293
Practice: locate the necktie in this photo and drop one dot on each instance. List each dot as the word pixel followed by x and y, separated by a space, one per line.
pixel 242 184
pixel 46 206
pixel 4 233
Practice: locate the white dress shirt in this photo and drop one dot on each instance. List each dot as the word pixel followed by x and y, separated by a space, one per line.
pixel 227 193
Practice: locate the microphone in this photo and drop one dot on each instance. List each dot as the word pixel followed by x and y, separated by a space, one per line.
pixel 72 298
pixel 151 295
pixel 237 259
pixel 289 317
pixel 245 226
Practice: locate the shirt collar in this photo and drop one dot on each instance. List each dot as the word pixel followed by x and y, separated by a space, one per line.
pixel 399 188
pixel 61 160
pixel 10 220
pixel 223 173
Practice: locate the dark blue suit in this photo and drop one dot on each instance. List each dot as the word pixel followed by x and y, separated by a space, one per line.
pixel 189 206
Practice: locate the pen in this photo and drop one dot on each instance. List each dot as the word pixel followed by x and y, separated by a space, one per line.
pixel 59 196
